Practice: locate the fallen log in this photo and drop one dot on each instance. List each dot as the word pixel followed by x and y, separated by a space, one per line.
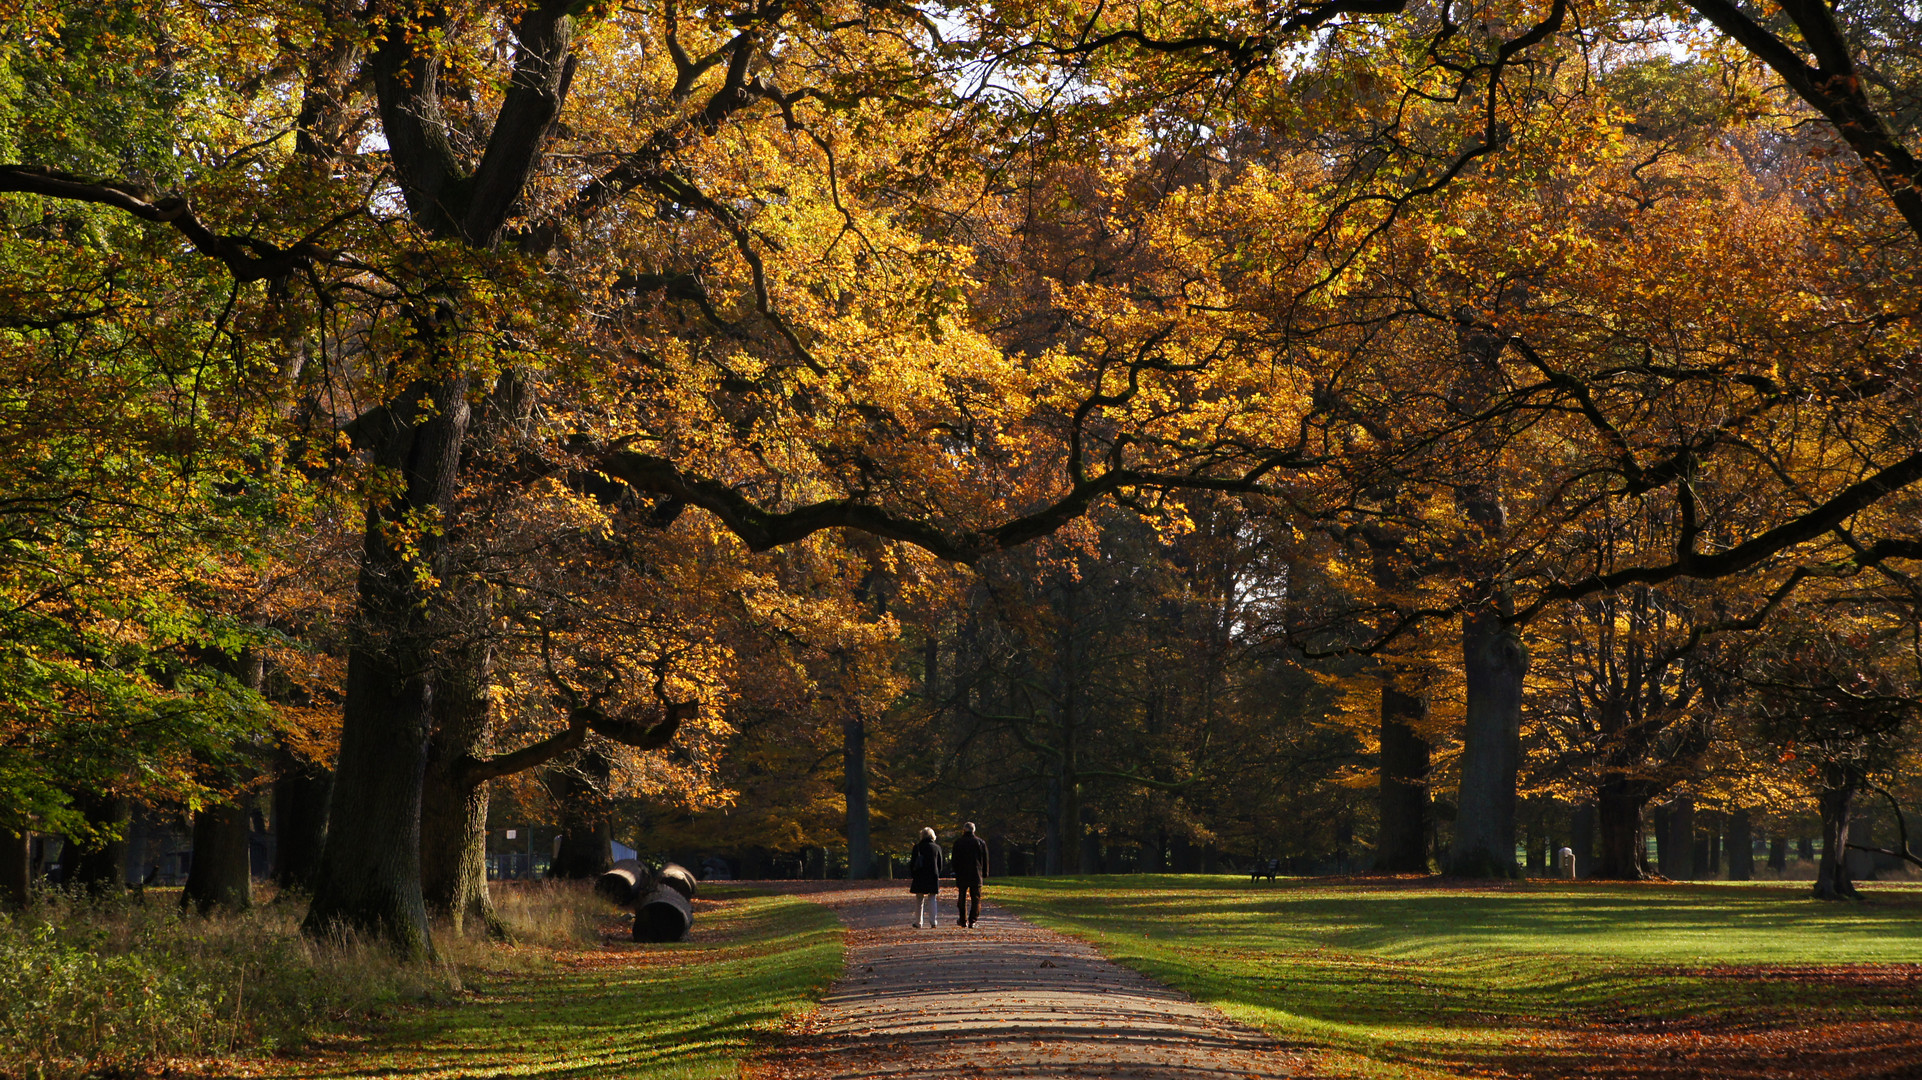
pixel 627 882
pixel 665 915
pixel 676 877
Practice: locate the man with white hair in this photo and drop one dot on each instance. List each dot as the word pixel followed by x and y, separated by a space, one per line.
pixel 970 862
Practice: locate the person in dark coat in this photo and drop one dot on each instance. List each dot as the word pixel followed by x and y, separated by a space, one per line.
pixel 924 866
pixel 970 870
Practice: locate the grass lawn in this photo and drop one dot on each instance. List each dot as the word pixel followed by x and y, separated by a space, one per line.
pixel 666 1012
pixel 1408 978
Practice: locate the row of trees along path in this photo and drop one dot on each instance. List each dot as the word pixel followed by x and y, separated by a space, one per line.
pixel 485 265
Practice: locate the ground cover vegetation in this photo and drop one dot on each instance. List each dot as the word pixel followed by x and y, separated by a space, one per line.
pixel 114 987
pixel 1400 978
pixel 1359 432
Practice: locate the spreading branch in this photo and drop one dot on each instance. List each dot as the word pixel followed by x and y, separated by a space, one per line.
pixel 247 258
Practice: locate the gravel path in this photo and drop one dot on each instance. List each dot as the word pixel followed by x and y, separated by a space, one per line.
pixel 1006 999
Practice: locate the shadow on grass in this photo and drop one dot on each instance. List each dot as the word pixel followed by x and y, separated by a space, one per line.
pixel 1554 980
pixel 691 1010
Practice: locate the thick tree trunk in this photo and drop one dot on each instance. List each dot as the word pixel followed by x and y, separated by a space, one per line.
pixel 102 866
pixel 1151 855
pixel 1664 849
pixel 1583 839
pixel 453 810
pixel 1091 851
pixel 1778 853
pixel 1494 663
pixel 16 869
pixel 1051 829
pixel 1618 816
pixel 301 790
pixel 454 855
pixel 585 850
pixel 1680 841
pixel 1072 847
pixel 1741 846
pixel 854 776
pixel 220 877
pixel 369 878
pixel 1832 881
pixel 1403 844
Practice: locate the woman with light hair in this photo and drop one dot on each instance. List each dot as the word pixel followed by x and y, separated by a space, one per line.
pixel 924 866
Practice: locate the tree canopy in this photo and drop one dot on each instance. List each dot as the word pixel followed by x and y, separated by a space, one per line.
pixel 655 394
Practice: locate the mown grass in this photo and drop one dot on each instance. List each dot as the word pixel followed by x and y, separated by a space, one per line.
pixel 688 1011
pixel 1412 979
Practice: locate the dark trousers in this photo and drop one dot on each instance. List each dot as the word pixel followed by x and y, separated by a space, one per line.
pixel 967 903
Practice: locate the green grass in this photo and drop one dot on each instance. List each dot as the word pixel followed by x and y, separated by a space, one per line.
pixel 1403 979
pixel 687 1011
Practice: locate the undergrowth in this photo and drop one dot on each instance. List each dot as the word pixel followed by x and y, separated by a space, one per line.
pixel 97 985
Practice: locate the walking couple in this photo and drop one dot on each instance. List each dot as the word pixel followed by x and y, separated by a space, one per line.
pixel 970 865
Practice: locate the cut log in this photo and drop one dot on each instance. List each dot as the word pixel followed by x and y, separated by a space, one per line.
pixel 627 882
pixel 676 877
pixel 664 916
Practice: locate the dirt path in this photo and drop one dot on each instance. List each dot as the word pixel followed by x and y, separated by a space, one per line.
pixel 1006 999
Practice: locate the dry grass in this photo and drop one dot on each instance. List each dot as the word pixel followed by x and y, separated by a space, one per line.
pixel 97 985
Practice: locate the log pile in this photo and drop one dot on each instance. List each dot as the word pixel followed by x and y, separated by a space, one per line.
pixel 660 899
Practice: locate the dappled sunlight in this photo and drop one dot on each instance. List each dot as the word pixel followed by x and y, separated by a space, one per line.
pixel 1418 976
pixel 690 1010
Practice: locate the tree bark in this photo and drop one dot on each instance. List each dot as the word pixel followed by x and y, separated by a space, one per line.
pixel 102 867
pixel 453 832
pixel 1741 846
pixel 220 878
pixel 1681 839
pixel 1494 663
pixel 1618 815
pixel 854 776
pixel 16 870
pixel 1832 880
pixel 1051 828
pixel 585 850
pixel 1072 849
pixel 1583 839
pixel 1778 853
pixel 1664 847
pixel 301 790
pixel 1402 847
pixel 369 879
